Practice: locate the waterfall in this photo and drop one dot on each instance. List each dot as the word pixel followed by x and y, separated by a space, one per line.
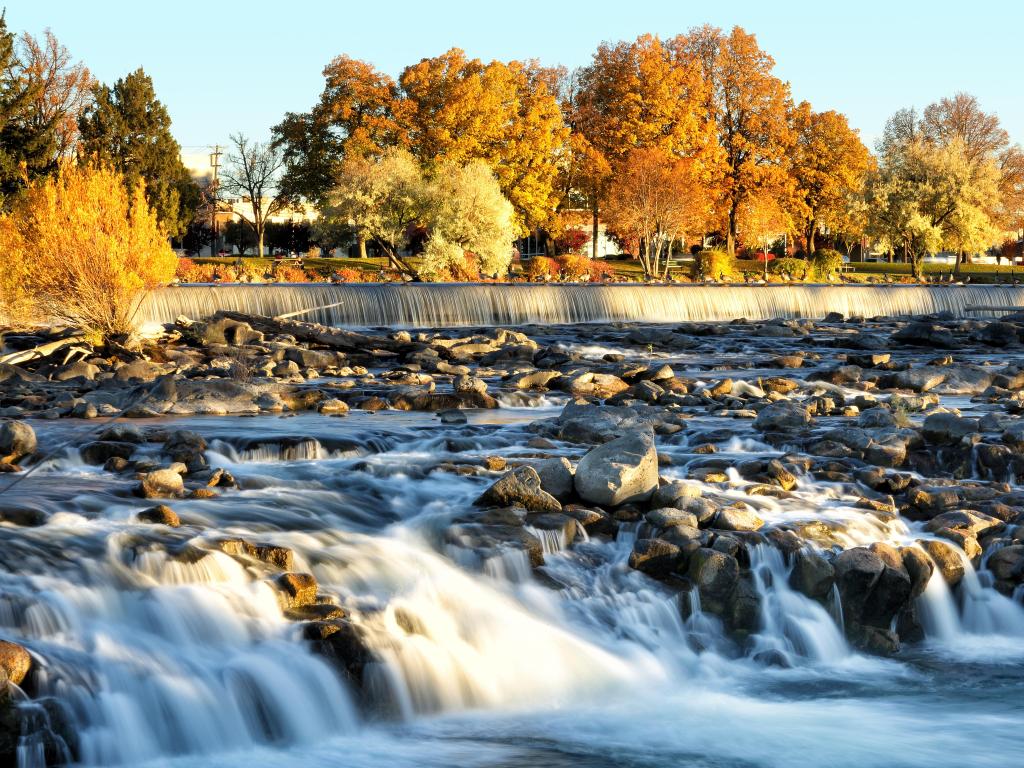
pixel 463 304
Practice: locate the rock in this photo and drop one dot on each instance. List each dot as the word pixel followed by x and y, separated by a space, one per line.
pixel 161 484
pixel 161 514
pixel 122 433
pixel 675 494
pixel 655 557
pixel 737 517
pixel 783 416
pixel 919 567
pixel 948 428
pixel 670 517
pixel 453 416
pixel 1007 563
pixel 184 446
pixel 141 371
pixel 536 380
pixel 556 477
pixel 812 575
pixel 946 559
pixel 469 384
pixel 521 486
pixel 590 384
pixel 78 369
pixel 222 330
pixel 917 379
pixel 333 406
pixel 923 334
pixel 17 440
pixel 857 571
pixel 296 589
pixel 619 472
pixel 100 451
pixel 15 661
pixel 713 573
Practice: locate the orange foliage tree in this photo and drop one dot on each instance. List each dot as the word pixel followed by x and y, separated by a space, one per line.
pixel 750 107
pixel 656 200
pixel 829 164
pixel 83 250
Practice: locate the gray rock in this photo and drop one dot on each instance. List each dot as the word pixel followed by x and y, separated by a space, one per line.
pixel 161 484
pixel 812 574
pixel 782 416
pixel 655 557
pixel 556 477
pixel 17 440
pixel 948 428
pixel 618 472
pixel 669 517
pixel 713 573
pixel 676 494
pixel 737 518
pixel 520 486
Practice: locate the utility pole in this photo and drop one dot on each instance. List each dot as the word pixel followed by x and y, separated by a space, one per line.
pixel 215 165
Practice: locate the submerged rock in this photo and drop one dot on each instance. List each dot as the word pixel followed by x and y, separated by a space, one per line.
pixel 521 486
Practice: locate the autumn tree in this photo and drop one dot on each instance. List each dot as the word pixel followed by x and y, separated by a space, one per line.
pixel 471 224
pixel 762 219
pixel 27 142
pixel 127 127
pixel 380 200
pixel 80 248
pixel 828 164
pixel 353 116
pixel 252 171
pixel 632 95
pixel 62 89
pixel 929 193
pixel 453 109
pixel 750 107
pixel 656 200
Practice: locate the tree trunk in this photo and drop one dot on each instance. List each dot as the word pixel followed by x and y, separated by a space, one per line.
pixel 362 246
pixel 594 227
pixel 812 225
pixel 730 238
pixel 259 242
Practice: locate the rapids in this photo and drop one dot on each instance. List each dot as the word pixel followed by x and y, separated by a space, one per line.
pixel 154 648
pixel 463 304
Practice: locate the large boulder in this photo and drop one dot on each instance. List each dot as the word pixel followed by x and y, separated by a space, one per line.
pixel 619 472
pixel 948 428
pixel 98 451
pixel 946 558
pixel 714 574
pixel 924 334
pixel 812 574
pixel 520 486
pixel 655 557
pixel 17 440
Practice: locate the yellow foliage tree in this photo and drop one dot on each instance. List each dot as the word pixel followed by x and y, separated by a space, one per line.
pixel 456 110
pixel 83 250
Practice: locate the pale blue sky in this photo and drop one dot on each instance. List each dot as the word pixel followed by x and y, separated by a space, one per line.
pixel 222 66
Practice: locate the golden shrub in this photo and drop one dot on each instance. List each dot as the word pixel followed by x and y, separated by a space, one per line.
pixel 83 250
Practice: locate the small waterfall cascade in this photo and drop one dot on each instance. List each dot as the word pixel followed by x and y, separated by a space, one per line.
pixel 466 304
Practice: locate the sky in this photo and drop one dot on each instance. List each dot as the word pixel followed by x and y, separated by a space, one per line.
pixel 222 66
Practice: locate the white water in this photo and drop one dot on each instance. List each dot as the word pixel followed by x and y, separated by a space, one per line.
pixel 161 661
pixel 454 305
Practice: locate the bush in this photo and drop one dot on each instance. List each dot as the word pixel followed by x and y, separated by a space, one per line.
pixel 577 266
pixel 313 252
pixel 189 271
pixel 82 249
pixel 571 241
pixel 787 266
pixel 826 264
pixel 713 264
pixel 287 273
pixel 540 269
pixel 348 275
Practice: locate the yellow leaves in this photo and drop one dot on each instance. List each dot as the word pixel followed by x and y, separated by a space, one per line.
pixel 83 250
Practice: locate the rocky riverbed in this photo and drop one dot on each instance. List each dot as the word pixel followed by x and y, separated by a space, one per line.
pixel 779 494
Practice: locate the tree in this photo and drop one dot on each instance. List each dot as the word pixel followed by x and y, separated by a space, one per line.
pixel 761 220
pixel 632 95
pixel 81 248
pixel 656 200
pixel 927 194
pixel 456 110
pixel 471 224
pixel 252 172
pixel 380 200
pixel 61 87
pixel 128 128
pixel 353 116
pixel 750 108
pixel 26 143
pixel 829 165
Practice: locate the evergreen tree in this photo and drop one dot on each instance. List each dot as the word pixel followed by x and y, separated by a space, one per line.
pixel 27 145
pixel 129 128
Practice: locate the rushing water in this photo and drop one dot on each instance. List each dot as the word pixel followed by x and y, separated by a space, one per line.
pixel 461 304
pixel 161 651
